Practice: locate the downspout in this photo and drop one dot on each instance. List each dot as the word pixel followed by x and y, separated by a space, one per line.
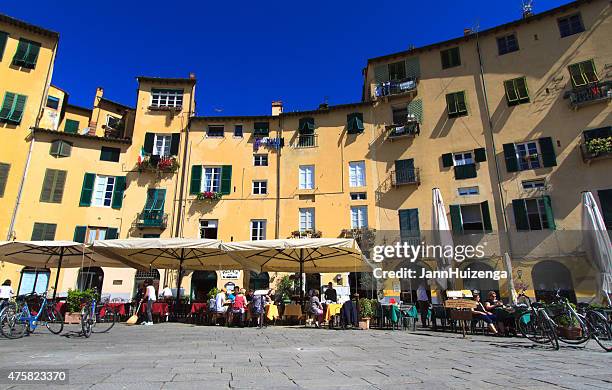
pixel 278 184
pixel 10 234
pixel 179 213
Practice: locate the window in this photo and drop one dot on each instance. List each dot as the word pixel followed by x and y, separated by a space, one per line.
pixel 60 148
pixel 533 184
pixel 167 98
pixel 450 58
pixel 215 131
pixel 26 54
pixel 260 187
pixel 354 123
pixel 357 174
pixel 583 73
pixel 528 156
pixel 358 196
pixel 3 39
pixel 161 144
pixel 110 154
pixel 470 218
pixel 95 233
pixel 4 171
pixel 209 228
pixel 467 191
pixel 103 191
pixel 53 186
pixel 455 103
pixel 71 126
pixel 43 231
pixel 238 131
pixel 307 222
pixel 53 102
pixel 397 71
pixel 359 217
pixel 13 107
pixel 507 44
pixel 89 234
pixel 516 91
pixel 34 280
pixel 533 214
pixel 400 115
pixel 463 158
pixel 409 226
pixel 464 165
pixel 212 179
pixel 570 25
pixel 258 229
pixel 306 177
pixel 605 201
pixel 260 160
pixel 261 129
pixel 113 122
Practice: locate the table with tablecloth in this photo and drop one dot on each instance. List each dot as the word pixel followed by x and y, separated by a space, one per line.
pixel 272 312
pixel 198 308
pixel 117 307
pixel 292 310
pixel 331 310
pixel 159 308
pixel 61 307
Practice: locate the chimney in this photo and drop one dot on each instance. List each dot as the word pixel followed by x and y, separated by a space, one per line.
pixel 277 107
pixel 93 123
pixel 467 31
pixel 99 94
pixel 192 76
pixel 323 106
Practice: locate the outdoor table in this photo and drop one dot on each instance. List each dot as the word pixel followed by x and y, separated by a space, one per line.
pixel 271 312
pixel 331 310
pixel 159 308
pixel 61 307
pixel 198 308
pixel 292 310
pixel 117 307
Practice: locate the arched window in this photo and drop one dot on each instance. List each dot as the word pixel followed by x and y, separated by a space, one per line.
pixel 259 281
pixel 141 276
pixel 549 276
pixel 409 286
pixel 90 277
pixel 201 284
pixel 34 280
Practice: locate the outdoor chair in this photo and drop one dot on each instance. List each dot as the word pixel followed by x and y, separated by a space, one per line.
pixel 439 312
pixel 409 315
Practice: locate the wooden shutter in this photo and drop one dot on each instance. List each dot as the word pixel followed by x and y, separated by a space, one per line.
pixel 381 73
pixel 415 107
pixel 148 142
pixel 521 88
pixel 447 160
pixel 3 39
pixel 413 67
pixel 451 104
pixel 511 94
pixel 486 217
pixel 55 147
pixel 71 126
pixel 466 171
pixel 520 214
pixel 58 186
pixel 306 126
pixel 547 148
pixel 118 191
pixel 112 233
pixel 79 234
pixel 32 54
pixel 150 202
pixel 18 108
pixel 226 179
pixel 65 149
pixel 510 157
pixel 87 190
pixel 20 53
pixel 456 222
pixel 409 224
pixel 196 180
pixel 461 103
pixel 7 105
pixel 4 171
pixel 589 72
pixel 605 201
pixel 550 217
pixel 160 200
pixel 43 231
pixel 174 144
pixel 53 186
pixel 480 155
pixel 109 154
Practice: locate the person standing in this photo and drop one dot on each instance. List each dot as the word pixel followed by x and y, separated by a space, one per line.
pixel 331 294
pixel 6 293
pixel 149 298
pixel 423 303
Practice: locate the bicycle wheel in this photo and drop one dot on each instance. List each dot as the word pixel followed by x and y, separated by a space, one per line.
pixel 54 320
pixel 574 319
pixel 550 329
pixel 601 330
pixel 86 323
pixel 530 328
pixel 13 321
pixel 105 322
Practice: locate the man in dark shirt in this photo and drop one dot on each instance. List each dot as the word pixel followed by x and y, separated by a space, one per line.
pixel 330 293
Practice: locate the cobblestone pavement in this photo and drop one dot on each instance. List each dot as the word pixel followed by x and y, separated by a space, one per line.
pixel 176 356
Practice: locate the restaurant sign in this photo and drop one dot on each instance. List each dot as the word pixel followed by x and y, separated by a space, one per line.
pixel 230 274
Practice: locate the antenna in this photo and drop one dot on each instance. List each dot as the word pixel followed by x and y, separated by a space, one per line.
pixel 527 8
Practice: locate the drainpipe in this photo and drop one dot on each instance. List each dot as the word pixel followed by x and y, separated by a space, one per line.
pixel 10 234
pixel 179 214
pixel 278 184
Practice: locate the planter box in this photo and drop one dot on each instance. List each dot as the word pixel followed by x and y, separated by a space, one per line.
pixel 569 333
pixel 364 324
pixel 72 318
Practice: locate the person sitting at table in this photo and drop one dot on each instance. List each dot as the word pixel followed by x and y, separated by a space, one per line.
pixel 149 298
pixel 166 293
pixel 238 307
pixel 316 308
pixel 272 297
pixel 249 295
pixel 495 306
pixel 221 301
pixel 480 313
pixel 330 293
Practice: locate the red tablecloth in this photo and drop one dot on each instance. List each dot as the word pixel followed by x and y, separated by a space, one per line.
pixel 117 307
pixel 61 307
pixel 198 308
pixel 159 308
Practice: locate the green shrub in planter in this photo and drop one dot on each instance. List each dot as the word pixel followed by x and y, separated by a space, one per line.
pixel 366 310
pixel 75 297
pixel 213 293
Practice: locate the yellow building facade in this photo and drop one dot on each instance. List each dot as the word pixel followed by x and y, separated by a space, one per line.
pixel 508 123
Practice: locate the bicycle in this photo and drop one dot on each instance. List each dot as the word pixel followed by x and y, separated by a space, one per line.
pixel 536 325
pixel 101 318
pixel 17 318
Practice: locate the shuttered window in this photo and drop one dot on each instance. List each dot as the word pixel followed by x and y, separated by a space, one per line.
pixel 13 107
pixel 450 58
pixel 409 226
pixel 43 231
pixel 26 54
pixel 570 25
pixel 507 44
pixel 354 123
pixel 53 186
pixel 456 105
pixel 397 71
pixel 471 218
pixel 110 154
pixel 516 91
pixel 4 171
pixel 3 39
pixel 583 73
pixel 533 214
pixel 60 148
pixel 261 129
pixel 605 200
pixel 71 126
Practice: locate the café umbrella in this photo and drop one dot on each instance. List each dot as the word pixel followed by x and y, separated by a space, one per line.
pixel 55 254
pixel 168 253
pixel 442 234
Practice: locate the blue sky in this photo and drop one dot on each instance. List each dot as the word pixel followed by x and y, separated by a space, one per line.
pixel 245 54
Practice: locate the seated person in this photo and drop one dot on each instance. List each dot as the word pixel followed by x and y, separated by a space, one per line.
pixel 166 293
pixel 481 313
pixel 316 308
pixel 330 293
pixel 220 302
pixel 238 307
pixel 495 306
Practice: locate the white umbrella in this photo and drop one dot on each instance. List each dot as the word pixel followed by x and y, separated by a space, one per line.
pixel 510 281
pixel 597 243
pixel 441 233
pixel 51 254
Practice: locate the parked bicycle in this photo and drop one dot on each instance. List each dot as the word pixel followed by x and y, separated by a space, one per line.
pixel 535 323
pixel 97 318
pixel 17 318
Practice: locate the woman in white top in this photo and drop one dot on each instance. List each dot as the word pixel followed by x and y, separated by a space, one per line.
pixel 149 298
pixel 6 292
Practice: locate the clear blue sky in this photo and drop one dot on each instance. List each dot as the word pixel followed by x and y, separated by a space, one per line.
pixel 245 54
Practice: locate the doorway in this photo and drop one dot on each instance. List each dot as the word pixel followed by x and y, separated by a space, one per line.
pixel 201 283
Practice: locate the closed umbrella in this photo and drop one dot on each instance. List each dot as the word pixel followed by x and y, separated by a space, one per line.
pixel 597 244
pixel 442 234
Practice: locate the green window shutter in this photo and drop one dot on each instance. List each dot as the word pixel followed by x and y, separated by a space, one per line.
pixel 7 105
pixel 461 103
pixel 65 149
pixel 547 148
pixel 576 75
pixel 32 55
pixel 486 217
pixel 4 171
pixel 520 214
pixel 53 186
pixel 413 67
pixel 87 190
pixel 150 202
pixel 354 123
pixel 3 39
pixel 510 157
pixel 466 171
pixel 160 200
pixel 38 231
pixel 109 154
pixel 18 109
pixel 226 179
pixel 381 73
pixel 521 88
pixel 118 191
pixel 451 104
pixel 148 142
pixel 589 71
pixel 45 193
pixel 605 200
pixel 55 147
pixel 447 160
pixel 58 186
pixel 415 107
pixel 456 222
pixel 71 126
pixel 112 234
pixel 79 234
pixel 511 93
pixel 549 212
pixel 174 144
pixel 409 224
pixel 196 180
pixel 43 231
pixel 480 155
pixel 20 54
pixel 307 126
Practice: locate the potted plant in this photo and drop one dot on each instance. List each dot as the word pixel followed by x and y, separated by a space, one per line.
pixel 599 146
pixel 366 311
pixel 209 196
pixel 285 288
pixel 74 302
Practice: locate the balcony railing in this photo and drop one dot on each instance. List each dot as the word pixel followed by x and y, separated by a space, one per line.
pixel 396 87
pixel 306 234
pixel 306 141
pixel 405 177
pixel 409 129
pixel 152 219
pixel 590 94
